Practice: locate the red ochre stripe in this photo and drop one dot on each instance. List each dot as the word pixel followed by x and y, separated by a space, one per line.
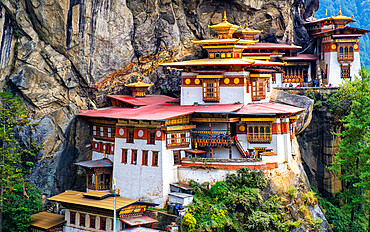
pixel 235 167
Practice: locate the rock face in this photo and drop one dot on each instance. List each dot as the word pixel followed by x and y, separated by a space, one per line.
pixel 318 143
pixel 61 56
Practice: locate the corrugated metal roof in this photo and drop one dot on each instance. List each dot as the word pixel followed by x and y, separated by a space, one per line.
pixel 97 194
pixel 272 46
pixel 143 101
pixel 46 220
pixel 77 198
pixel 301 57
pixel 269 108
pixel 101 163
pixel 159 112
pixel 138 220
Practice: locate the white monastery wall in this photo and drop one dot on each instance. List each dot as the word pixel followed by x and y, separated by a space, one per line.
pixel 356 65
pixel 334 70
pixel 77 228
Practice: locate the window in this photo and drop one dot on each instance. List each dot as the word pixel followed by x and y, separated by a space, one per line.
pixel 72 217
pixel 211 90
pixel 178 139
pixel 130 136
pixel 104 132
pixel 134 157
pixel 151 137
pixel 345 52
pixel 124 156
pixel 145 158
pixel 92 221
pixel 176 157
pixel 103 223
pixel 82 219
pixel 155 158
pixel 258 89
pixel 345 71
pixel 259 133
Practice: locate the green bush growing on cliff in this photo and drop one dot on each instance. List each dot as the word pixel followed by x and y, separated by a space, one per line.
pixel 352 161
pixel 242 203
pixel 16 159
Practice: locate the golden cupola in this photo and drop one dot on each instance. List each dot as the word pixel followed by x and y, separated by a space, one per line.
pixel 138 88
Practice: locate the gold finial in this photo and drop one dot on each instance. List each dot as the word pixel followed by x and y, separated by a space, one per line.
pixel 326 12
pixel 246 24
pixel 138 79
pixel 292 40
pixel 340 11
pixel 225 19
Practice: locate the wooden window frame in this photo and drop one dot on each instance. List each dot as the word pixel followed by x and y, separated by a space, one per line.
pixel 72 217
pixel 151 137
pixel 345 71
pixel 178 139
pixel 124 156
pixel 176 157
pixel 211 93
pixel 134 156
pixel 82 222
pixel 130 135
pixel 145 157
pixel 92 223
pixel 101 226
pixel 107 133
pixel 155 158
pixel 259 133
pixel 258 91
pixel 345 52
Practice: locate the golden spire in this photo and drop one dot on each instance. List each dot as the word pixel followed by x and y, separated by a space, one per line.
pixel 224 19
pixel 340 11
pixel 326 12
pixel 246 24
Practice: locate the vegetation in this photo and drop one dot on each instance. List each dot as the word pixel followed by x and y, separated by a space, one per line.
pixel 351 163
pixel 16 159
pixel 237 204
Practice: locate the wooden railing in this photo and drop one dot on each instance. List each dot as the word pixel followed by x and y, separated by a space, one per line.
pixel 240 148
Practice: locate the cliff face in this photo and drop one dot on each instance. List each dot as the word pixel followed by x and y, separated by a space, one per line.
pixel 62 56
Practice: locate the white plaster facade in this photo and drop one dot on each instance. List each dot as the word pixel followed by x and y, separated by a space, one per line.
pixel 77 228
pixel 145 182
pixel 334 68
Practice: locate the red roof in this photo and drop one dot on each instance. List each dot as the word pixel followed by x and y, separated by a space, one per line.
pixel 143 101
pixel 102 163
pixel 300 57
pixel 269 108
pixel 271 46
pixel 159 112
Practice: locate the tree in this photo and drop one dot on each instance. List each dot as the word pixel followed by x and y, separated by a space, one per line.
pixel 352 161
pixel 15 158
pixel 18 208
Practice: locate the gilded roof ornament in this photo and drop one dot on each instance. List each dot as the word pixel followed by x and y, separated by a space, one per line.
pixel 139 84
pixel 340 11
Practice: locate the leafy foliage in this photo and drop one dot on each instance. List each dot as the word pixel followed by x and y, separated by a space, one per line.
pixel 18 209
pixel 16 159
pixel 351 162
pixel 237 204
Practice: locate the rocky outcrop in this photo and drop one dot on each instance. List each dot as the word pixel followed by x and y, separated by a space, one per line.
pixel 318 142
pixel 304 118
pixel 64 56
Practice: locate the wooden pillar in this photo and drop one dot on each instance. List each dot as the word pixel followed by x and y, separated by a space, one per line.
pixel 87 179
pixel 96 180
pixel 211 152
pixel 230 152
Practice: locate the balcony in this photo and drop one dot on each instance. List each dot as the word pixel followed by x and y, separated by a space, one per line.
pixel 211 138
